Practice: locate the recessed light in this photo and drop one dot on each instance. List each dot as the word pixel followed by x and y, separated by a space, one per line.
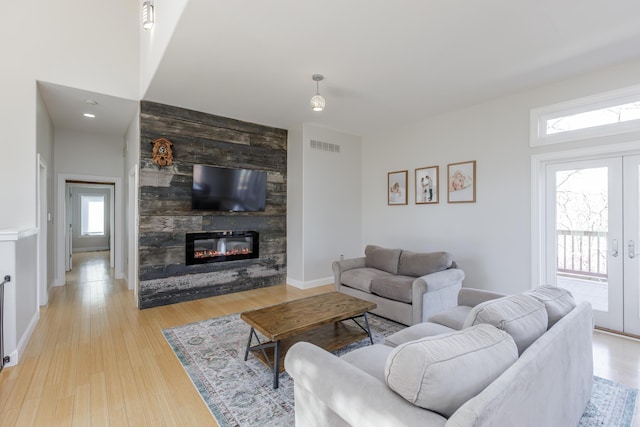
pixel 91 102
pixel 89 115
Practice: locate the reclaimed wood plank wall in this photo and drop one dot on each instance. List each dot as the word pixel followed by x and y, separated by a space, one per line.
pixel 165 214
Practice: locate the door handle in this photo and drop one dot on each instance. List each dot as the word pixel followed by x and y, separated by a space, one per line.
pixel 632 249
pixel 614 248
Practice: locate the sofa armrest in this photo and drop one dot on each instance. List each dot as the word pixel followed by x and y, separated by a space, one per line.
pixel 435 292
pixel 472 297
pixel 340 267
pixel 326 387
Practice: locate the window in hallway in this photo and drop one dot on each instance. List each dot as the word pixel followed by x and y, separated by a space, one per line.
pixel 92 215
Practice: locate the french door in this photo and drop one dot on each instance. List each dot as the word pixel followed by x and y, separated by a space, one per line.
pixel 592 212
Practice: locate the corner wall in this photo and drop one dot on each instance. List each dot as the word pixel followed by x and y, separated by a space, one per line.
pixel 326 207
pixel 165 214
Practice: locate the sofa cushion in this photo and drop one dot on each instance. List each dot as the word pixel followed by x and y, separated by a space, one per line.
pixel 442 372
pixel 397 288
pixel 360 278
pixel 416 332
pixel 418 264
pixel 453 318
pixel 558 302
pixel 382 258
pixel 520 315
pixel 371 359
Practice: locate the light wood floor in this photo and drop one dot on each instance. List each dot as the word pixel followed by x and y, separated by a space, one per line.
pixel 94 359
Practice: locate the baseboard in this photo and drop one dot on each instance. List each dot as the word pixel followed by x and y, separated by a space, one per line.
pixel 311 284
pixel 92 249
pixel 14 356
pixel 13 359
pixel 120 275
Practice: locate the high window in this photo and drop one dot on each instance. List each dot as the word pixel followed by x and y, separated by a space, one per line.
pixel 595 116
pixel 92 215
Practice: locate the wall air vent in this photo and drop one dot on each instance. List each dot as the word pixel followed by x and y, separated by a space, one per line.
pixel 324 146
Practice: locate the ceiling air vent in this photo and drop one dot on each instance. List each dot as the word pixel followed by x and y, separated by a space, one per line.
pixel 324 146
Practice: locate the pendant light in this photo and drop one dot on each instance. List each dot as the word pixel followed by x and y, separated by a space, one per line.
pixel 317 102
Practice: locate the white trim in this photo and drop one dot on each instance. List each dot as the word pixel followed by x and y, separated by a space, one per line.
pixel 14 356
pixel 538 164
pixel 539 116
pixel 42 244
pixel 311 284
pixel 12 234
pixel 132 234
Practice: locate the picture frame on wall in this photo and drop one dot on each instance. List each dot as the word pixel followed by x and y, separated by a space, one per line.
pixel 427 184
pixel 397 187
pixel 461 182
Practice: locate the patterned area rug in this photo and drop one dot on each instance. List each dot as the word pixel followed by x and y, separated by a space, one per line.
pixel 611 404
pixel 239 393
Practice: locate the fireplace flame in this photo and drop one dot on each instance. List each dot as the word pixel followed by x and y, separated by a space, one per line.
pixel 213 253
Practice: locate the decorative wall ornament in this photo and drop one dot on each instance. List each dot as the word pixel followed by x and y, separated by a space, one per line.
pixel 162 153
pixel 397 187
pixel 461 182
pixel 427 185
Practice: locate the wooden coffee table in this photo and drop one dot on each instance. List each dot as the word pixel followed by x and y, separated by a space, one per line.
pixel 317 319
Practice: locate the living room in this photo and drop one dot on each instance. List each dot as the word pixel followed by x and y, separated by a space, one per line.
pixel 336 203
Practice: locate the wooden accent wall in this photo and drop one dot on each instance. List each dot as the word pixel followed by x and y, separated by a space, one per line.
pixel 165 204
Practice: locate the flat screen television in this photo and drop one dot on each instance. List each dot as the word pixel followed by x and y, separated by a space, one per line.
pixel 227 189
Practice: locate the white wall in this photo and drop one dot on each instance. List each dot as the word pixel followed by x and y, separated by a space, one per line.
pixel 21 313
pixel 323 204
pixel 88 155
pixel 27 310
pixel 72 43
pixel 18 116
pixel 490 239
pixel 154 42
pixel 87 44
pixel 295 185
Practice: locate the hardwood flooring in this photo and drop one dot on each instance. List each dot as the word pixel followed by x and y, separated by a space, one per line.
pixel 94 359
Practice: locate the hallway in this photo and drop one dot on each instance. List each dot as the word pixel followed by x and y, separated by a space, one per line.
pixel 94 359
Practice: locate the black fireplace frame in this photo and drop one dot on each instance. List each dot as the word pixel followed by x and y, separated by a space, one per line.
pixel 191 238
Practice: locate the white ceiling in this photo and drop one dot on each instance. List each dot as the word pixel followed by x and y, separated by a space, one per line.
pixel 386 63
pixel 66 107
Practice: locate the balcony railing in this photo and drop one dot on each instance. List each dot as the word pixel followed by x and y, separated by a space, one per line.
pixel 582 253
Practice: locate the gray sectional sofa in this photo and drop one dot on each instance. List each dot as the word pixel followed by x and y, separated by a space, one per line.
pixel 520 360
pixel 407 287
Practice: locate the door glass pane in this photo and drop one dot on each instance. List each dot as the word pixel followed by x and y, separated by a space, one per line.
pixel 582 218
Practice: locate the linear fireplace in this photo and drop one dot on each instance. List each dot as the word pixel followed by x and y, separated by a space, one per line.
pixel 220 246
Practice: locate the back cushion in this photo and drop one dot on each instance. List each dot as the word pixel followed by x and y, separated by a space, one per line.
pixel 440 373
pixel 422 263
pixel 558 302
pixel 382 258
pixel 521 316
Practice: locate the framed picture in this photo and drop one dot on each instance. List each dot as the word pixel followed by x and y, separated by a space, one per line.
pixel 397 187
pixel 461 182
pixel 427 185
